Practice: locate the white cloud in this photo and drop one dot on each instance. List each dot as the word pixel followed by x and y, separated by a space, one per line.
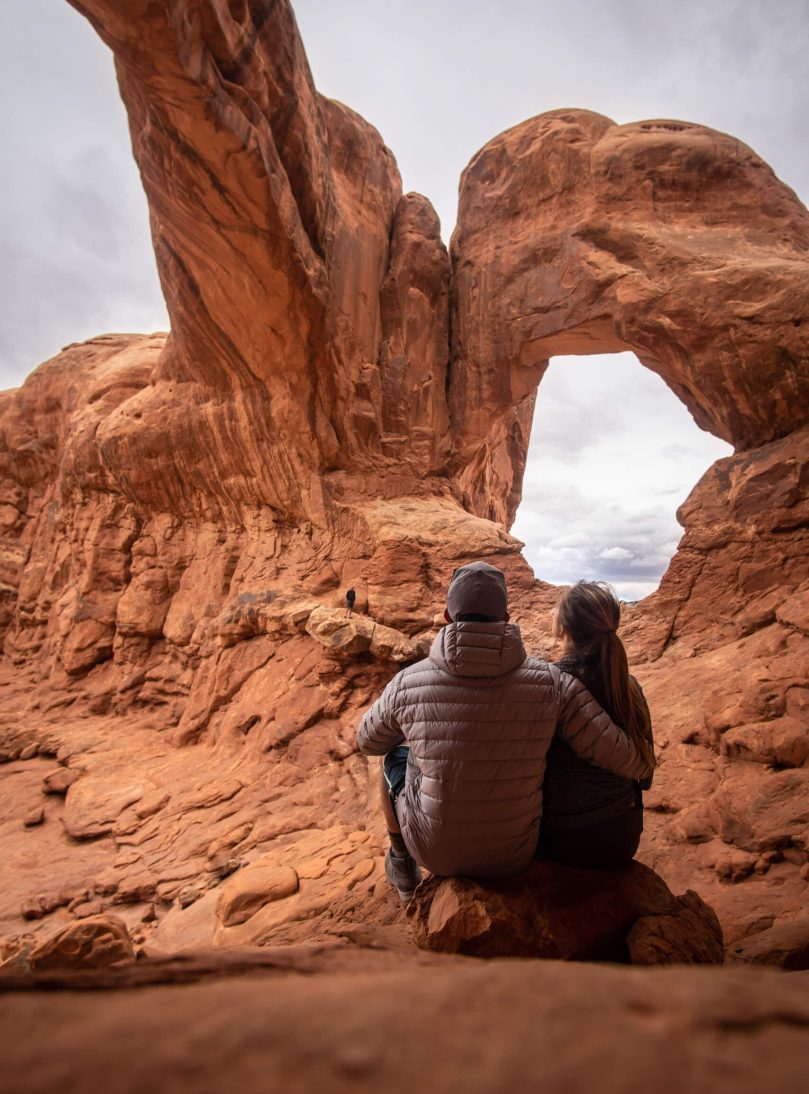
pixel 75 230
pixel 576 539
pixel 595 509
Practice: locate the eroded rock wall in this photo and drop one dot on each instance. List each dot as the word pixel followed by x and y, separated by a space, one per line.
pixel 576 235
pixel 336 406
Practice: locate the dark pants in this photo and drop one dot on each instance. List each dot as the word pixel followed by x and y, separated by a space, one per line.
pixel 395 768
pixel 605 845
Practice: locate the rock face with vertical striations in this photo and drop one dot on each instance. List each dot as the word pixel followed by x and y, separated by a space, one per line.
pixel 341 405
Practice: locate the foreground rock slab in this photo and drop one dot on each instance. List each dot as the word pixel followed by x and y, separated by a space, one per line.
pixel 554 911
pixel 336 1020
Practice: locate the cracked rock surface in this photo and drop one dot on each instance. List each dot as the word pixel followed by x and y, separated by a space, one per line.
pixel 343 403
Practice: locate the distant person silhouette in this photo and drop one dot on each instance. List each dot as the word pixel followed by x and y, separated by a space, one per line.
pixel 351 596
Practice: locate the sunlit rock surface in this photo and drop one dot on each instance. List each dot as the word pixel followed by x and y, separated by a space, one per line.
pixel 336 406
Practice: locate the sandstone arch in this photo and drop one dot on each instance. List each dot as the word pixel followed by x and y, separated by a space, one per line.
pixel 310 379
pixel 176 510
pixel 308 299
pixel 577 235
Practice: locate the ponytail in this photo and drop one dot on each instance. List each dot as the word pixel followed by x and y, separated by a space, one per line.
pixel 625 698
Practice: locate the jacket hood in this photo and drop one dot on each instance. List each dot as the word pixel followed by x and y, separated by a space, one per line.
pixel 478 649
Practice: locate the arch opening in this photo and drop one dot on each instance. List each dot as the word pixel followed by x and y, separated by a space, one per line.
pixel 613 454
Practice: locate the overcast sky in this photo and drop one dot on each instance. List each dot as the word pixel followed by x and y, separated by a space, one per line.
pixel 438 78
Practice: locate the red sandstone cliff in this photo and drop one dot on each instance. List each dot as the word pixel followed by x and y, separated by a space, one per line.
pixel 182 514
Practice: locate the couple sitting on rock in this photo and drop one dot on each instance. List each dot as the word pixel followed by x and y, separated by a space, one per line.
pixel 493 757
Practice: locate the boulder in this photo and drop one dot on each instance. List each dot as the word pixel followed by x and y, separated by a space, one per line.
pixel 689 934
pixel 563 912
pixel 59 781
pixel 785 945
pixel 93 943
pixel 350 635
pixel 251 888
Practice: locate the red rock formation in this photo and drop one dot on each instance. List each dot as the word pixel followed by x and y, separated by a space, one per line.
pixel 554 911
pixel 576 236
pixel 92 943
pixel 182 515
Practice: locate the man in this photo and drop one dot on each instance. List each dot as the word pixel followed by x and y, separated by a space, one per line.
pixel 465 733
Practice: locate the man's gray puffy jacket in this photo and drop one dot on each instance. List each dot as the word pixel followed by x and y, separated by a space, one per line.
pixel 479 716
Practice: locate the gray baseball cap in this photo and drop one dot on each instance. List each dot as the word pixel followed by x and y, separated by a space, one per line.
pixel 478 589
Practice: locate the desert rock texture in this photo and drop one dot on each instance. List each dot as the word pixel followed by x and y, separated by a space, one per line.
pixel 341 403
pixel 321 1019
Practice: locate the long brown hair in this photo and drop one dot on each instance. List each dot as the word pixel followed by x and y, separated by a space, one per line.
pixel 590 613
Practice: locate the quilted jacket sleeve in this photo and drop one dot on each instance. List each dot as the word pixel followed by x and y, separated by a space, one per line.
pixel 593 735
pixel 379 730
pixel 645 784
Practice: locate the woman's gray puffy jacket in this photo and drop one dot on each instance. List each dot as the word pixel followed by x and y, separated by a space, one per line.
pixel 479 716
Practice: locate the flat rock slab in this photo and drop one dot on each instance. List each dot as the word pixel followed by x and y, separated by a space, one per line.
pixel 555 911
pixel 338 1023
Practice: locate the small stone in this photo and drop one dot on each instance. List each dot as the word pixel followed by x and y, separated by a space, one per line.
pixel 248 890
pixel 690 935
pixel 735 866
pixel 32 908
pixel 188 896
pixel 30 751
pixel 35 817
pixel 222 864
pixel 87 908
pixel 100 704
pixel 805 871
pixel 80 898
pixel 59 781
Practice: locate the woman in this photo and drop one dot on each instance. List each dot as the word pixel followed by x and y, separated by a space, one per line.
pixel 589 816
